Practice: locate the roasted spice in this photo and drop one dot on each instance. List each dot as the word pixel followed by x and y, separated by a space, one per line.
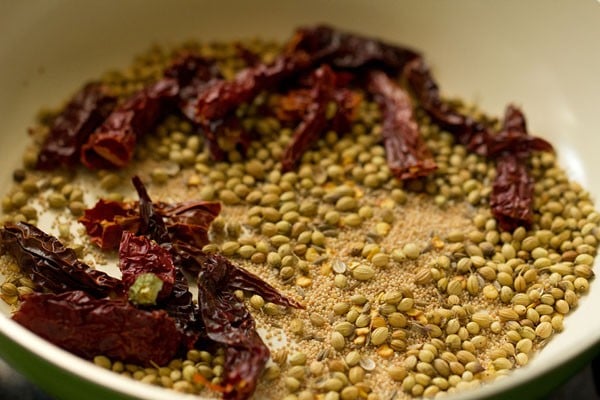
pixel 406 286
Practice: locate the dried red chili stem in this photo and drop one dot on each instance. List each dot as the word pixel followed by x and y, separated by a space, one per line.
pixel 53 266
pixel 113 143
pixel 151 224
pixel 87 327
pixel 86 110
pixel 348 50
pixel 407 154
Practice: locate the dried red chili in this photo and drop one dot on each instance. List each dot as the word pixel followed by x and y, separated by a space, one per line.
pixel 222 96
pixel 71 128
pixel 189 221
pixel 139 255
pixel 87 327
pixel 112 145
pixel 468 131
pixel 194 260
pixel 293 106
pixel 251 58
pixel 350 51
pixel 192 73
pixel 179 304
pixel 229 323
pixel 223 318
pixel 195 75
pixel 315 121
pixel 512 194
pixel 106 221
pixel 53 266
pixel 407 154
pixel 513 137
pixel 217 99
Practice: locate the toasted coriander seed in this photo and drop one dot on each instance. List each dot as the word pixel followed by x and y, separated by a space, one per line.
pixel 292 384
pixel 379 336
pixel 544 330
pixel 502 363
pixel 210 248
pixel 316 320
pixel 345 328
pixel 583 270
pixel 340 281
pixel 380 260
pixel 297 358
pixel 352 358
pixel 9 289
pixel 274 259
pixel 411 250
pixel 103 361
pixel 397 320
pixel 350 393
pixel 455 236
pixel 337 340
pixel 455 287
pixel 352 220
pixel 56 200
pixel 346 204
pixel 423 276
pixel 257 301
pixel 362 320
pixel 581 284
pixel 229 248
pixel 229 197
pixel 317 238
pixel 490 292
pixel 382 228
pixel 363 273
pixel 246 251
pixel 258 258
pixel 356 374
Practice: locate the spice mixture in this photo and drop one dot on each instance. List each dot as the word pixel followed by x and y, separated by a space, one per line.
pixel 383 241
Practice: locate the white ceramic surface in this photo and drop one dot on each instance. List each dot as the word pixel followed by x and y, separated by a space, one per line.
pixel 542 55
